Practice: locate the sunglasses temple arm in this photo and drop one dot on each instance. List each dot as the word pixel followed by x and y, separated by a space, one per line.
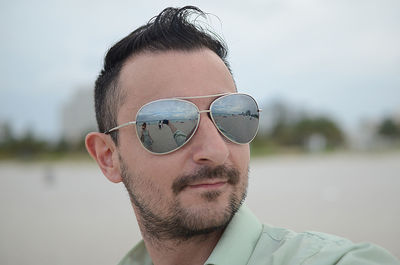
pixel 120 126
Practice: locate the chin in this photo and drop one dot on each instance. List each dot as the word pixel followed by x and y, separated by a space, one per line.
pixel 214 210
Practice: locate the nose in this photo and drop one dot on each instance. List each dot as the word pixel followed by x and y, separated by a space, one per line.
pixel 208 145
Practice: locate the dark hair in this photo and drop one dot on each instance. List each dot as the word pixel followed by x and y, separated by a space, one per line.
pixel 170 30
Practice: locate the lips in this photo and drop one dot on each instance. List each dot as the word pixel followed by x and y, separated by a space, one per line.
pixel 208 185
pixel 207 177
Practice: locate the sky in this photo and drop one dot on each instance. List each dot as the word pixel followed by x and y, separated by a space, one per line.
pixel 340 58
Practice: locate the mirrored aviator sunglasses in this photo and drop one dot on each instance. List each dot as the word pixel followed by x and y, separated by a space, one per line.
pixel 165 125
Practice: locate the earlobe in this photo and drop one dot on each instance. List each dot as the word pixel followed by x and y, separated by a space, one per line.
pixel 102 149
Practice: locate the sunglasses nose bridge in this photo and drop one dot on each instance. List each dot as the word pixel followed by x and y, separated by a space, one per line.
pixel 208 145
pixel 209 118
pixel 208 111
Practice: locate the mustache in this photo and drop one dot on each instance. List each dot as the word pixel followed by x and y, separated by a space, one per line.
pixel 230 174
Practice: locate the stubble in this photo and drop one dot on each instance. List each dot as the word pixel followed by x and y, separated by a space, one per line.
pixel 177 222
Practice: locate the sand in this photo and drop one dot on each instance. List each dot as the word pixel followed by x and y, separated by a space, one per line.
pixel 68 213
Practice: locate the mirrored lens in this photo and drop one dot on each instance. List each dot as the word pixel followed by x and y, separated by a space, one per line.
pixel 164 125
pixel 236 116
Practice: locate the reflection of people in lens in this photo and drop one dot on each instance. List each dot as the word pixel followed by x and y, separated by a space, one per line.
pixel 179 136
pixel 145 137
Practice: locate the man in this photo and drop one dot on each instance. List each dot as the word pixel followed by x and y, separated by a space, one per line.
pixel 187 194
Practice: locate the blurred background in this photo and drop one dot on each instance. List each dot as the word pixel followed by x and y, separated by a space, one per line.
pixel 327 156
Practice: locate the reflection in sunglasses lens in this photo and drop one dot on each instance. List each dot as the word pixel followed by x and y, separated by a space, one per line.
pixel 165 125
pixel 168 124
pixel 236 117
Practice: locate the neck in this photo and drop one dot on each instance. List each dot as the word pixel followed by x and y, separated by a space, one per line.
pixel 194 250
pixel 170 250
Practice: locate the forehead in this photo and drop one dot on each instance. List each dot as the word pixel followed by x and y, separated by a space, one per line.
pixel 149 76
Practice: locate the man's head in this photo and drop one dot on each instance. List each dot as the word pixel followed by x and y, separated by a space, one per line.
pixel 171 30
pixel 197 188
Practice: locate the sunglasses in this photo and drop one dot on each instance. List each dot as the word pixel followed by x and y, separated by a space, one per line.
pixel 165 125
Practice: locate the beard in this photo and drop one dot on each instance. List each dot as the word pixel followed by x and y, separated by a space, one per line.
pixel 175 222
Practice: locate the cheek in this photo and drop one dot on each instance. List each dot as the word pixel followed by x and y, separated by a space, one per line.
pixel 157 171
pixel 131 149
pixel 240 156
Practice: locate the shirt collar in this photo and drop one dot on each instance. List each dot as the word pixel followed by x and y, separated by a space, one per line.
pixel 238 240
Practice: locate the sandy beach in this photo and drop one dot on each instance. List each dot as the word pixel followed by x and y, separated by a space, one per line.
pixel 69 213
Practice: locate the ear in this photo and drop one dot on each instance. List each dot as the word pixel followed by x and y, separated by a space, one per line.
pixel 102 148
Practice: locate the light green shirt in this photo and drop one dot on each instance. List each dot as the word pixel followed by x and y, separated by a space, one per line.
pixel 247 241
pixel 179 137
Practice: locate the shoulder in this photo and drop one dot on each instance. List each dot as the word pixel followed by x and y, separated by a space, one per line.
pixel 137 256
pixel 312 248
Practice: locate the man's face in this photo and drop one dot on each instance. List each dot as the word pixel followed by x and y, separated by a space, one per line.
pixel 197 188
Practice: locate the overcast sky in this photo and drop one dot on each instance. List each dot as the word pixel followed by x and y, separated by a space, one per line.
pixel 339 57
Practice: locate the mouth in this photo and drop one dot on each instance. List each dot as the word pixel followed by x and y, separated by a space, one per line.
pixel 208 185
pixel 207 179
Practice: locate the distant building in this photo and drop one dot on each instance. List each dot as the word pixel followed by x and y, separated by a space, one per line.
pixel 315 143
pixel 278 111
pixel 364 136
pixel 78 116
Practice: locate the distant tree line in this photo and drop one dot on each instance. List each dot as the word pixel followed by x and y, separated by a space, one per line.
pixel 389 129
pixel 284 129
pixel 307 134
pixel 299 132
pixel 290 129
pixel 28 146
